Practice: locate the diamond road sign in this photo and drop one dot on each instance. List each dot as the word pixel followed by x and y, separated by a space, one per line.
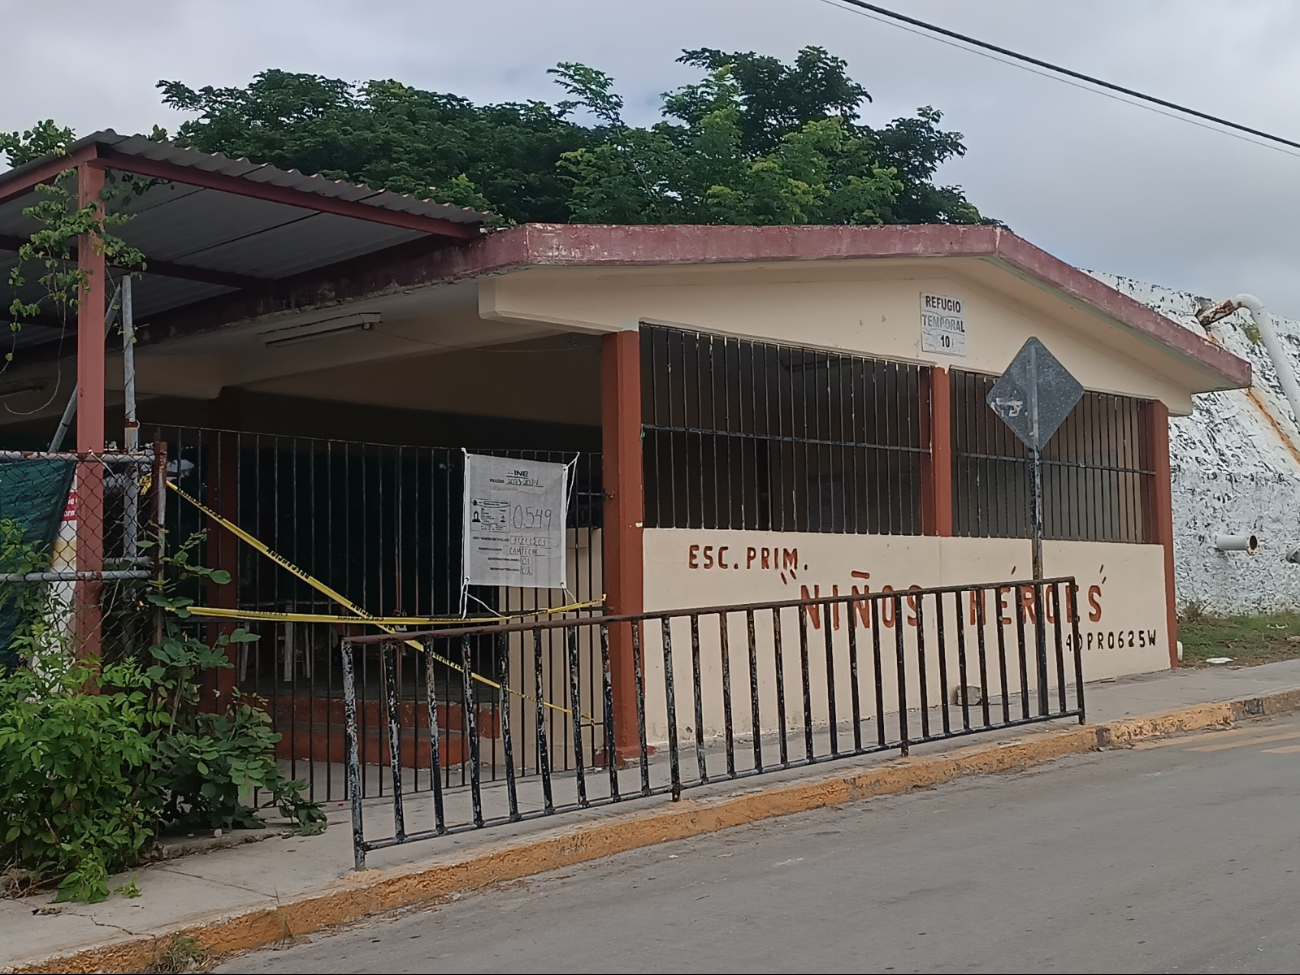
pixel 1035 394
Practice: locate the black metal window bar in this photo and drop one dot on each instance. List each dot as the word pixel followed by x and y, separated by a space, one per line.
pixel 1097 474
pixel 719 693
pixel 752 435
pixel 380 524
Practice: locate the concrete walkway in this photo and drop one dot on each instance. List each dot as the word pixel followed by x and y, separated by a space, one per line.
pixel 186 893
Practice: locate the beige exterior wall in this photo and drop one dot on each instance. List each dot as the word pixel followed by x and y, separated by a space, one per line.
pixel 872 310
pixel 1122 605
pixel 584 575
pixel 501 357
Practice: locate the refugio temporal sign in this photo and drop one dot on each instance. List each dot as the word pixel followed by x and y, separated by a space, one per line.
pixel 943 325
pixel 515 515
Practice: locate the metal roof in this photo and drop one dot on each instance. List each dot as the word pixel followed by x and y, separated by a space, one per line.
pixel 209 224
pixel 214 162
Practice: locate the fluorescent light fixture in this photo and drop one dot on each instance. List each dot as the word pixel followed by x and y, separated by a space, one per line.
pixel 293 334
pixel 23 386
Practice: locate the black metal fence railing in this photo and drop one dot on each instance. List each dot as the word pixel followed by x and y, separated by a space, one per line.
pixel 683 698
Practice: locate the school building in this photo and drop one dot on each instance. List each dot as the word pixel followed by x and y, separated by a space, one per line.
pixel 758 413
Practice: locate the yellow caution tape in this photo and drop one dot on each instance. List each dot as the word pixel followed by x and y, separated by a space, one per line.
pixel 358 614
pixel 270 616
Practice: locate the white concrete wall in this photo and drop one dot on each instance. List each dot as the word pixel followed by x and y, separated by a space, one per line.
pixel 1236 470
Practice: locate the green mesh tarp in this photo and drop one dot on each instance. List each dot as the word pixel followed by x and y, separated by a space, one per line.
pixel 32 497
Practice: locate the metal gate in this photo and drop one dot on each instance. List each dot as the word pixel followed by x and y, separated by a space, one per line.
pixel 381 525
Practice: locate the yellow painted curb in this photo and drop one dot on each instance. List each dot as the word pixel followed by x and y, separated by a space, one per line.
pixel 377 891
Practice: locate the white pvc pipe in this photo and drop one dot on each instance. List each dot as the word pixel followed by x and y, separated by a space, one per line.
pixel 131 434
pixel 1237 543
pixel 1281 364
pixel 131 431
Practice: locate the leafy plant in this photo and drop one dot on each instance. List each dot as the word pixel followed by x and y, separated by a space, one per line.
pixel 212 766
pixel 77 793
pixel 30 609
pixel 95 760
pixel 61 224
pixel 211 761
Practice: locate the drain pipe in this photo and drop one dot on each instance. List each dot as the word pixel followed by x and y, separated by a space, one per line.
pixel 1264 322
pixel 1237 543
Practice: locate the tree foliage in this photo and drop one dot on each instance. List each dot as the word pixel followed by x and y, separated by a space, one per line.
pixel 391 136
pixel 46 138
pixel 754 141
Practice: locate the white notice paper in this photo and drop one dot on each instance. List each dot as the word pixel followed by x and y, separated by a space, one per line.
pixel 514 522
pixel 943 325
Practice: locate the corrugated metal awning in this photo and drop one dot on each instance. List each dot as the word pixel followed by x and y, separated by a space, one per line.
pixel 208 224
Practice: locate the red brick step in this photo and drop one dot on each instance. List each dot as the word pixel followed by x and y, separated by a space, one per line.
pixel 322 711
pixel 328 744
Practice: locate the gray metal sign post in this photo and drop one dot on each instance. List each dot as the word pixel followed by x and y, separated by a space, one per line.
pixel 1033 398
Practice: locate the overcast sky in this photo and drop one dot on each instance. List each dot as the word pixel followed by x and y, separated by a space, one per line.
pixel 1099 183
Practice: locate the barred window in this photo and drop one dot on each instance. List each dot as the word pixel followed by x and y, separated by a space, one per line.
pixel 1097 476
pixel 759 436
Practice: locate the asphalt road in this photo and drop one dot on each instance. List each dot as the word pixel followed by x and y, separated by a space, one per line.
pixel 1179 856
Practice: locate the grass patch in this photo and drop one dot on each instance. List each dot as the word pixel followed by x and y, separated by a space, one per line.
pixel 1249 640
pixel 179 956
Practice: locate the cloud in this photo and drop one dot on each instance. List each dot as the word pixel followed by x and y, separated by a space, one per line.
pixel 1102 184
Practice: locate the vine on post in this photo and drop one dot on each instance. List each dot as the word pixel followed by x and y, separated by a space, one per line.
pixel 48 257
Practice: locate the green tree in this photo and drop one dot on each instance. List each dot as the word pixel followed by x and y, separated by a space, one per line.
pixel 755 141
pixel 777 100
pixel 703 172
pixel 391 136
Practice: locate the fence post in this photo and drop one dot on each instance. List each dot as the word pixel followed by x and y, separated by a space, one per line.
pixel 159 532
pixel 621 532
pixel 221 458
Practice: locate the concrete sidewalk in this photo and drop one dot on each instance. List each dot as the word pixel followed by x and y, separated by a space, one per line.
pixel 284 886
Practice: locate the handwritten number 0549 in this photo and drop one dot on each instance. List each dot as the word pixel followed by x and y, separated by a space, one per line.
pixel 525 516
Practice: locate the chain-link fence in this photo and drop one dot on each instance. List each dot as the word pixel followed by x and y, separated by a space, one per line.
pixel 78 551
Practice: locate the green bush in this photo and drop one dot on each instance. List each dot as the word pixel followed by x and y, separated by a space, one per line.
pixel 94 761
pixel 210 769
pixel 77 791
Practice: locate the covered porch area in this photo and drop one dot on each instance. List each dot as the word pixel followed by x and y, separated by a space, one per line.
pixel 316 377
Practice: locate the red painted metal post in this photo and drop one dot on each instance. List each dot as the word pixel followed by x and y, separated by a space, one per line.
pixel 936 466
pixel 90 419
pixel 622 555
pixel 223 548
